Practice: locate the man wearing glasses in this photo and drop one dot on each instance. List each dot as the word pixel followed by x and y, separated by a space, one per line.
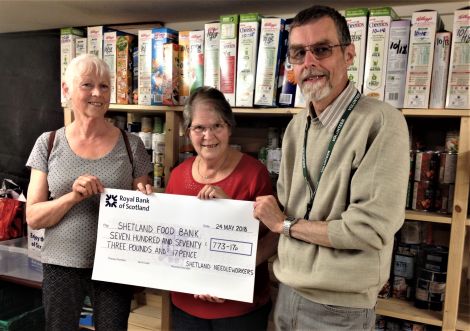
pixel 342 186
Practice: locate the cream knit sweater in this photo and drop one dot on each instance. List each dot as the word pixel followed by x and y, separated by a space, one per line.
pixel 361 195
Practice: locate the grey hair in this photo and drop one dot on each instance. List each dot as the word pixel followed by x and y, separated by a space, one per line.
pixel 82 65
pixel 316 12
pixel 210 95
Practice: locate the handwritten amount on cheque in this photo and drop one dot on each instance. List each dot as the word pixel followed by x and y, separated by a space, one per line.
pixel 172 241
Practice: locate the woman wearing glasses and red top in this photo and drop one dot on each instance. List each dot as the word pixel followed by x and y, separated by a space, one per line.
pixel 220 172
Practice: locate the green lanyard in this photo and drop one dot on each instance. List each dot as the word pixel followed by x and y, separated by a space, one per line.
pixel 334 138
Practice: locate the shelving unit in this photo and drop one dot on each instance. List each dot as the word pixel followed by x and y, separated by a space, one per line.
pixel 450 318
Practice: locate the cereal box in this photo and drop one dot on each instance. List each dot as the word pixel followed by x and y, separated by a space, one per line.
pixel 378 34
pixel 95 35
pixel 196 60
pixel 211 54
pixel 160 37
pixel 145 67
pixel 440 70
pixel 287 85
pixel 124 75
pixel 248 32
pixel 68 38
pixel 396 63
pixel 458 85
pixel 300 101
pixel 356 19
pixel 184 70
pixel 272 37
pixel 424 25
pixel 171 74
pixel 81 46
pixel 228 56
pixel 109 56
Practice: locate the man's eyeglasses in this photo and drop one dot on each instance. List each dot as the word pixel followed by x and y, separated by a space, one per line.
pixel 296 54
pixel 216 128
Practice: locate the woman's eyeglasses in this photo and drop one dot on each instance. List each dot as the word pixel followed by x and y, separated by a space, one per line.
pixel 296 54
pixel 216 128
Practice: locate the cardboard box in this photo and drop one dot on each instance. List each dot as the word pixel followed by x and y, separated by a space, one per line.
pixel 211 54
pixel 248 34
pixel 81 46
pixel 95 38
pixel 397 63
pixel 196 61
pixel 272 37
pixel 378 34
pixel 68 38
pixel 287 84
pixel 171 74
pixel 109 56
pixel 145 67
pixel 458 85
pixel 124 71
pixel 184 68
pixel 424 25
pixel 300 101
pixel 228 56
pixel 440 70
pixel 160 37
pixel 357 19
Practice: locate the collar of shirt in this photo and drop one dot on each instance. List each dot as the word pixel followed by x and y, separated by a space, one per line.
pixel 330 117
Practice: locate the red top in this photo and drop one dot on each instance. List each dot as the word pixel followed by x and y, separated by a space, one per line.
pixel 248 180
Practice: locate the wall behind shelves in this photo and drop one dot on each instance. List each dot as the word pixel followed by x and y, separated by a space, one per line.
pixel 29 97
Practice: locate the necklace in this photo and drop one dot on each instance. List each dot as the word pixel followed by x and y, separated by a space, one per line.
pixel 215 172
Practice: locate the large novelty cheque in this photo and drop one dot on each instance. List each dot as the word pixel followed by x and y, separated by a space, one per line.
pixel 178 243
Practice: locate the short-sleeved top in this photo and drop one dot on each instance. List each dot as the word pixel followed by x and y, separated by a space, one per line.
pixel 71 242
pixel 249 179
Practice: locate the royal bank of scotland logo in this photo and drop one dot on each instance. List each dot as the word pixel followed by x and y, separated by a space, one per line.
pixel 111 200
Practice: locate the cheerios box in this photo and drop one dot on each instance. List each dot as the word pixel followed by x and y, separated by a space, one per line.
pixel 248 34
pixel 357 18
pixel 378 34
pixel 458 85
pixel 211 54
pixel 424 25
pixel 228 56
pixel 68 38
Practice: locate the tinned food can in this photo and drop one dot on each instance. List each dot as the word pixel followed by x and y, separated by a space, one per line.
pixel 427 166
pixel 444 198
pixel 447 167
pixel 423 196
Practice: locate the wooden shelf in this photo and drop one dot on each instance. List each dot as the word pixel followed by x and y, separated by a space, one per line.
pixel 436 112
pixel 242 111
pixel 424 216
pixel 144 109
pixel 286 111
pixel 406 310
pixel 463 322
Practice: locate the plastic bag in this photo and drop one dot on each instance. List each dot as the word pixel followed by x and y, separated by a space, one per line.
pixel 12 223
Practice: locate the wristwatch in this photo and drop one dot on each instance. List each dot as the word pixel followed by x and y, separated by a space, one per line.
pixel 288 223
